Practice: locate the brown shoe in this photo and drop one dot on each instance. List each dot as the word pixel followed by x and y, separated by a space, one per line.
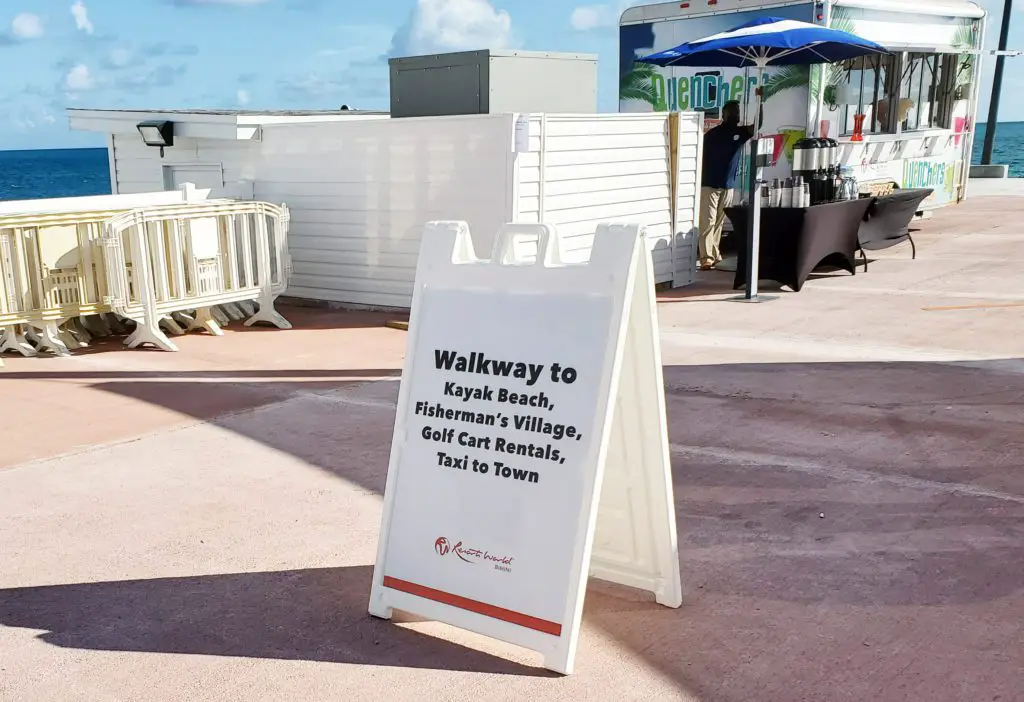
pixel 707 266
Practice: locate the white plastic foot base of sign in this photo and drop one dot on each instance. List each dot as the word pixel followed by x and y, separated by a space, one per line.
pixel 530 447
pixel 12 340
pixel 144 335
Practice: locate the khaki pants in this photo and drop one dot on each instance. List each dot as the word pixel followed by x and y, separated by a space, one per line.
pixel 713 202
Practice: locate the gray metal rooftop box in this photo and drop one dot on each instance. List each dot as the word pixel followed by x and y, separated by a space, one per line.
pixel 481 82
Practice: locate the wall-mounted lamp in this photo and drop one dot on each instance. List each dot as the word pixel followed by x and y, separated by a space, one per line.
pixel 157 133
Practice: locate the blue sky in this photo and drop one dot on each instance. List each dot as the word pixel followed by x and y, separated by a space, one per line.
pixel 283 54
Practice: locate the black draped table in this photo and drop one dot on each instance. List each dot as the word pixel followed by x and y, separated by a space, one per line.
pixel 796 240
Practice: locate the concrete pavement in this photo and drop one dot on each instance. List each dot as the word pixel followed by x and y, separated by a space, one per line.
pixel 849 476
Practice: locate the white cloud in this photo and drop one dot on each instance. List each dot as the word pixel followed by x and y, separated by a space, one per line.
pixel 242 97
pixel 79 78
pixel 81 14
pixel 27 26
pixel 587 18
pixel 437 26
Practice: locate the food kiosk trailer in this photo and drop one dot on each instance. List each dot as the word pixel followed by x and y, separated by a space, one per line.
pixel 903 120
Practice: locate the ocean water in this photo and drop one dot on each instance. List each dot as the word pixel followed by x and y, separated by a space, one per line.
pixel 1007 149
pixel 28 175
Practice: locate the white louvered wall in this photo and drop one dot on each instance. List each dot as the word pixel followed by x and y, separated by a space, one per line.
pixel 689 128
pixel 359 194
pixel 582 170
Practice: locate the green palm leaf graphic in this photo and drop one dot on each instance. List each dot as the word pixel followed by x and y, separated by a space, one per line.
pixel 638 84
pixel 965 38
pixel 834 72
pixel 965 35
pixel 784 78
pixel 841 20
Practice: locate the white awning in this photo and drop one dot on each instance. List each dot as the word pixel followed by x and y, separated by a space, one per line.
pixel 942 8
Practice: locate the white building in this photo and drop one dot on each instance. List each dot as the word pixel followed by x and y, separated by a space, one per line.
pixel 361 185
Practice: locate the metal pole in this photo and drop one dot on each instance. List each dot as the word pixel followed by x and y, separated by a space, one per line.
pixel 754 227
pixel 997 86
pixel 819 99
pixel 753 186
pixel 753 224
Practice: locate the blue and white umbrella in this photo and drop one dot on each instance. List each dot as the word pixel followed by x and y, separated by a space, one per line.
pixel 758 44
pixel 768 41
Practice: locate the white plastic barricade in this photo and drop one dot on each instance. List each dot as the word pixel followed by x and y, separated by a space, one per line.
pixel 51 267
pixel 51 270
pixel 530 444
pixel 59 264
pixel 195 257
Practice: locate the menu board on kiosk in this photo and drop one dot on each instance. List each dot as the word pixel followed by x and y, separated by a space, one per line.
pixel 530 445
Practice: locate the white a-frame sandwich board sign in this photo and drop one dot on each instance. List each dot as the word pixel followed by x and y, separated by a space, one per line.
pixel 530 445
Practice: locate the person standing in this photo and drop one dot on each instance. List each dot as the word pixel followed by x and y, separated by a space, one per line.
pixel 723 146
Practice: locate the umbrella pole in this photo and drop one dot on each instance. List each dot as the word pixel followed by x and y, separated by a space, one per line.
pixel 754 209
pixel 754 227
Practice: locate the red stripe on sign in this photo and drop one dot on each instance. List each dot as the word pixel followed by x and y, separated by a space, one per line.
pixel 505 615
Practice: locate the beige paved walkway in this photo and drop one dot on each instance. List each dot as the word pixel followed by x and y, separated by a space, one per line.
pixel 201 525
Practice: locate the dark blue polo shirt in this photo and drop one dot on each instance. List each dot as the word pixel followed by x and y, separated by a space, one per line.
pixel 722 148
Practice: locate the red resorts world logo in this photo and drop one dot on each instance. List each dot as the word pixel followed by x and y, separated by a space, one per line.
pixel 472 555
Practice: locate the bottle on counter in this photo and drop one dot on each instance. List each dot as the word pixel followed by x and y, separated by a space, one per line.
pixel 787 193
pixel 766 197
pixel 775 193
pixel 851 188
pixel 806 195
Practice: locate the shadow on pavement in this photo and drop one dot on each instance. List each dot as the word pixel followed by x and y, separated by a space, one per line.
pixel 832 517
pixel 305 615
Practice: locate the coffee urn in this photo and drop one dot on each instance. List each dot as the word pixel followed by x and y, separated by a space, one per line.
pixel 812 158
pixel 830 157
pixel 806 159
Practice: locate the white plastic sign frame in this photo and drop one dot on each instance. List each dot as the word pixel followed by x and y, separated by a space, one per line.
pixel 530 446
